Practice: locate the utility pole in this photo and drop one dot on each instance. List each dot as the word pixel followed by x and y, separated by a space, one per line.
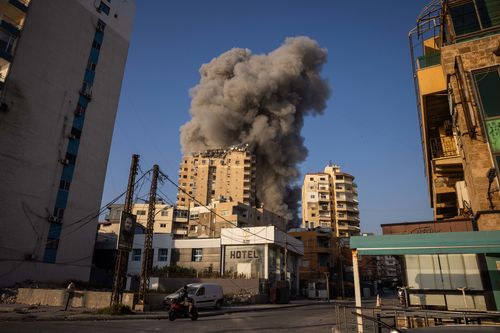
pixel 327 279
pixel 121 255
pixel 147 261
pixel 286 259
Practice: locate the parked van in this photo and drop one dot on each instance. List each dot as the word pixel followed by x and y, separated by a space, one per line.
pixel 204 295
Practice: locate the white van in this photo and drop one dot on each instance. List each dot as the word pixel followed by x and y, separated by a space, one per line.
pixel 204 294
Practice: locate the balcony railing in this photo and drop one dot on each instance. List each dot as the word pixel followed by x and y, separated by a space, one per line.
pixel 443 147
pixel 429 60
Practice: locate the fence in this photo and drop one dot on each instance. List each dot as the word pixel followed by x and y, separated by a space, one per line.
pixel 380 320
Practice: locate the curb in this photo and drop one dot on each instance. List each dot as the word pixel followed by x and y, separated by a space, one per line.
pixel 31 318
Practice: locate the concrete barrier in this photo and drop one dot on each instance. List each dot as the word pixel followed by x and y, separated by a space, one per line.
pixel 80 299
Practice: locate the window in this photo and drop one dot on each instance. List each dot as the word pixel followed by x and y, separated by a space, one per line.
pixel 322 178
pixel 91 65
pixel 164 212
pixel 136 254
pixel 313 215
pixel 104 8
pixel 197 255
pixel 487 84
pixel 200 291
pixel 76 133
pixel 474 15
pixel 141 212
pixel 71 159
pixel 79 110
pixel 64 185
pixel 96 45
pixel 162 254
pixel 311 178
pixel 163 225
pixel 313 196
pixel 100 25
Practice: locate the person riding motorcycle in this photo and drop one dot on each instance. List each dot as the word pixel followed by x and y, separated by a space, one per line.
pixel 185 299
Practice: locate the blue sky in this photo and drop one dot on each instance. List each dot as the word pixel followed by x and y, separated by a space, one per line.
pixel 370 126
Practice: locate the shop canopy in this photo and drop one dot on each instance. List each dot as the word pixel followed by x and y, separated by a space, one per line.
pixel 428 243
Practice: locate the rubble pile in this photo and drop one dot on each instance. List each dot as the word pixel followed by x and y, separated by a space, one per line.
pixel 241 297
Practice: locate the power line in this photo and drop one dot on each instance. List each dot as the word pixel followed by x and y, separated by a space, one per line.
pixel 222 217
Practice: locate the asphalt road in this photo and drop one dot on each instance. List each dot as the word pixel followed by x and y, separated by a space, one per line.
pixel 306 319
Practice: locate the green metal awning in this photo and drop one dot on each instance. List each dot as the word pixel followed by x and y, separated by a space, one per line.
pixel 432 243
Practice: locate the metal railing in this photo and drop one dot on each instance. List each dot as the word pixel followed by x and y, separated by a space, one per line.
pixel 387 319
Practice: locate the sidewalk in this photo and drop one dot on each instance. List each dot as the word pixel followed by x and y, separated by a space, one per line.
pixel 23 312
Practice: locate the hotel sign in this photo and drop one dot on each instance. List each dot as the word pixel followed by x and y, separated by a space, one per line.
pixel 243 254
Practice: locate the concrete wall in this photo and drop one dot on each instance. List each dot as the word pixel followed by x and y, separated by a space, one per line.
pixel 41 93
pixel 57 297
pixel 229 286
pixel 427 227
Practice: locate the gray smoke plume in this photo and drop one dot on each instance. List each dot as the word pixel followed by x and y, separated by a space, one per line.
pixel 261 100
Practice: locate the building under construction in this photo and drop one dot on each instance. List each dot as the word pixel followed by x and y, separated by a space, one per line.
pixel 455 51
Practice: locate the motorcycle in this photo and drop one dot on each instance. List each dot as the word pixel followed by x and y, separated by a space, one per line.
pixel 181 310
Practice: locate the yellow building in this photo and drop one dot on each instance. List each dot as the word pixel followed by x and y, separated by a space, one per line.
pixel 330 200
pixel 218 174
pixel 455 57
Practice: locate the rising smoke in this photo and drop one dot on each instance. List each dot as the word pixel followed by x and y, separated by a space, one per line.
pixel 261 100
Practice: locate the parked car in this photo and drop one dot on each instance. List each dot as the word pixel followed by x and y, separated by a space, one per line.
pixel 204 295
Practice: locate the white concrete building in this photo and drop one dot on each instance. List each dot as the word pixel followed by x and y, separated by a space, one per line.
pixel 162 252
pixel 62 64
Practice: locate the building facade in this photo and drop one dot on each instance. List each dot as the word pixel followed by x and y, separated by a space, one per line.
pixel 168 219
pixel 320 256
pixel 249 253
pixel 205 222
pixel 217 174
pixel 456 61
pixel 60 85
pixel 330 200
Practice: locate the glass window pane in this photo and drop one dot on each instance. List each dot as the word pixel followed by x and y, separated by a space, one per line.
pixel 489 11
pixel 493 129
pixel 464 18
pixel 488 85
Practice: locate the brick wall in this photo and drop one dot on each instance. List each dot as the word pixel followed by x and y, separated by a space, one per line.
pixel 477 159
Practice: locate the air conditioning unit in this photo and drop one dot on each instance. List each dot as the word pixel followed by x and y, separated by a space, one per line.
pixel 462 194
pixel 53 219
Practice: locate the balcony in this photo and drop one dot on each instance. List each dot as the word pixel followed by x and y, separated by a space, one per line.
pixel 443 146
pixel 7 43
pixel 21 5
pixel 9 25
pixel 428 60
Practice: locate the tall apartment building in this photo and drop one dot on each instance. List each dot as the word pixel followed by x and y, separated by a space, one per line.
pixel 456 61
pixel 330 200
pixel 218 173
pixel 61 64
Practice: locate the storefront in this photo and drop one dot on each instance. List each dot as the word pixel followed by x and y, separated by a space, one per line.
pixel 261 252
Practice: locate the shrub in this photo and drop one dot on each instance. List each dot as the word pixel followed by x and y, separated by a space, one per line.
pixel 116 309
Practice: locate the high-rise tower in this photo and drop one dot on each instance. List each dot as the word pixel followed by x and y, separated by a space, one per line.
pixel 62 64
pixel 217 173
pixel 330 200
